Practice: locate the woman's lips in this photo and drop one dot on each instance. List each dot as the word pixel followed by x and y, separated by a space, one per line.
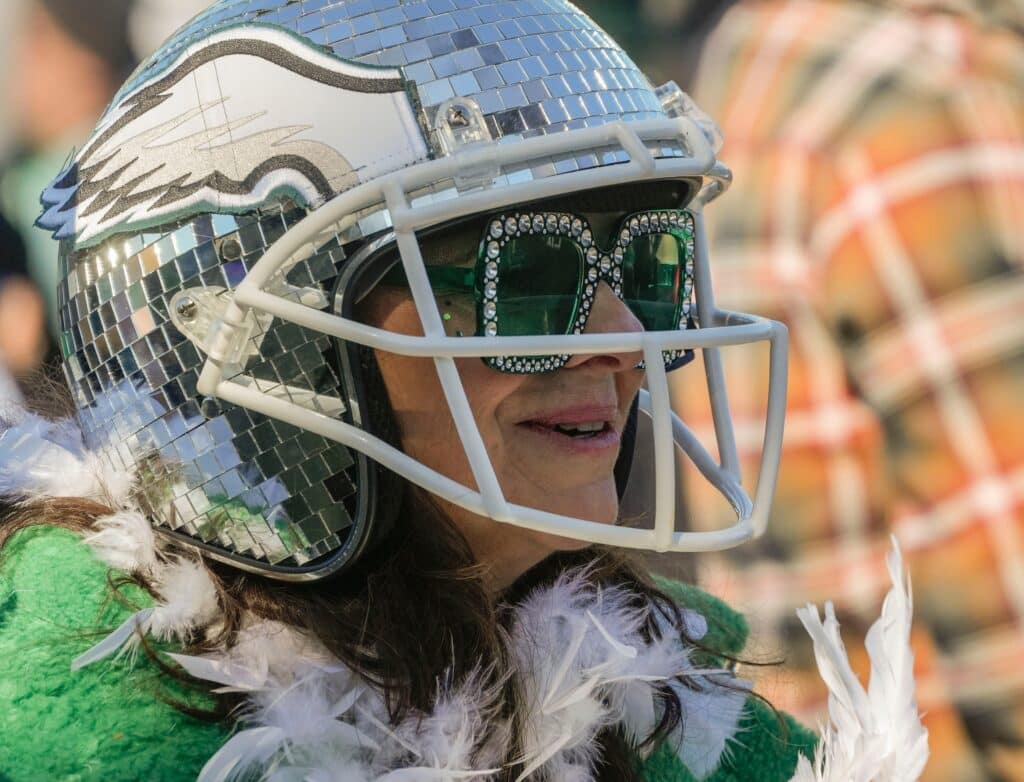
pixel 601 442
pixel 545 427
pixel 570 416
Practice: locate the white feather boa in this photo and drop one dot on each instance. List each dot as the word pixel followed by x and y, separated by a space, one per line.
pixel 581 664
pixel 580 659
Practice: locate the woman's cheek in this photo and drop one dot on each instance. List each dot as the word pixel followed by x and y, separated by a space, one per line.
pixel 458 314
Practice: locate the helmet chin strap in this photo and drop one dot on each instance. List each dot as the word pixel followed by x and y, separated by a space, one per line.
pixel 625 461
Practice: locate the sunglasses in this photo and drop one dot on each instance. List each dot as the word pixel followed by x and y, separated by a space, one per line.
pixel 537 274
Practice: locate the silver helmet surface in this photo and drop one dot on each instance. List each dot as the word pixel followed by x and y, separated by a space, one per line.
pixel 226 216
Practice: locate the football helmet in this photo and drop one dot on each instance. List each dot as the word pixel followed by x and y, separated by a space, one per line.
pixel 231 208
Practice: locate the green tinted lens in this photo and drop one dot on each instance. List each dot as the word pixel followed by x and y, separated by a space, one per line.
pixel 652 269
pixel 538 284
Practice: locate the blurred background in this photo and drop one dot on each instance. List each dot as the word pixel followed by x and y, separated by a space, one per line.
pixel 60 63
pixel 878 210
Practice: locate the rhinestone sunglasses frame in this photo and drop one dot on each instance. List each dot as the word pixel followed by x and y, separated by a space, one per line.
pixel 598 266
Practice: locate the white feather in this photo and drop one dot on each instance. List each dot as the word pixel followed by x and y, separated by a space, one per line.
pixel 275 649
pixel 232 676
pixel 695 624
pixel 307 711
pixel 43 458
pixel 323 717
pixel 711 716
pixel 891 690
pixel 605 669
pixel 604 673
pixel 125 541
pixel 187 596
pixel 251 748
pixel 189 601
pixel 63 433
pixel 266 655
pixel 448 737
pixel 561 670
pixel 874 735
pixel 115 642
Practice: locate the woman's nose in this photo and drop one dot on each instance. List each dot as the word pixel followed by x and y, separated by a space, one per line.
pixel 609 315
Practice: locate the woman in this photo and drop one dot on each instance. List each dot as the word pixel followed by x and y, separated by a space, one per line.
pixel 359 332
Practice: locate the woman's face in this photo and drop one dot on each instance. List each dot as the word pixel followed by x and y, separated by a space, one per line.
pixel 523 421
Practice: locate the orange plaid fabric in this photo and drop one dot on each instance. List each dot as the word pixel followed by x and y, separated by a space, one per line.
pixel 878 210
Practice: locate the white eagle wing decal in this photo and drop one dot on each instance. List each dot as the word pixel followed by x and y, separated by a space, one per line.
pixel 244 113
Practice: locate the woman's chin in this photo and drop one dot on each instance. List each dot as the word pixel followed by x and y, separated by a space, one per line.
pixel 596 502
pixel 582 508
pixel 550 542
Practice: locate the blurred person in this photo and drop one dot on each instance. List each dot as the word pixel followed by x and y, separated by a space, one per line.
pixel 21 316
pixel 10 13
pixel 879 159
pixel 68 59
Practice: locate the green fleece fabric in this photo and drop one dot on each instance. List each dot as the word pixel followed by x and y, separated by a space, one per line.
pixel 106 722
pixel 768 744
pixel 727 629
pixel 763 751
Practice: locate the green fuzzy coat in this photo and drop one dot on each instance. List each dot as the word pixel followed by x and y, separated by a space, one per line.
pixel 108 722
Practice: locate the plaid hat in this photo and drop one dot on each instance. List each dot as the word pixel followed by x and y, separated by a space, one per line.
pixel 99 25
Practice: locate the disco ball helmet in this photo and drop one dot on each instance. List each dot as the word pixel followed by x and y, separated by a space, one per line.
pixel 219 226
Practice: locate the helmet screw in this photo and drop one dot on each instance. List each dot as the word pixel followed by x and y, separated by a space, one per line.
pixel 187 308
pixel 457 116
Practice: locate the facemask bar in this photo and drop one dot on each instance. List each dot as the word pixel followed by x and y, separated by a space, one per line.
pixel 718 328
pixel 707 313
